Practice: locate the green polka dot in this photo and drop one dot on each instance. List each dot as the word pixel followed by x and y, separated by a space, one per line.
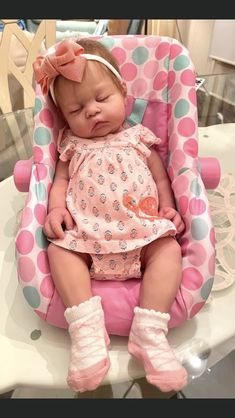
pixel 42 136
pixel 51 173
pixel 206 288
pixel 181 62
pixel 140 55
pixel 40 238
pixel 195 187
pixel 166 63
pixel 182 170
pixel 199 229
pixel 37 106
pixel 108 42
pixel 40 191
pixel 165 94
pixel 32 296
pixel 181 108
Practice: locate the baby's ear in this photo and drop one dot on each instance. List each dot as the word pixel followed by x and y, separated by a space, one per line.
pixel 124 88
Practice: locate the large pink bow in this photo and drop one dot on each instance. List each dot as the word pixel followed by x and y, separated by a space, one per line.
pixel 66 60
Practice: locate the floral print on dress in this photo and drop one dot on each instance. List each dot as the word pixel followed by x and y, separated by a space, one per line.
pixel 112 195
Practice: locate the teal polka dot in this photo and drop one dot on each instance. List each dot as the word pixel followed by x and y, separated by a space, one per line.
pixel 165 94
pixel 195 187
pixel 182 170
pixel 51 173
pixel 37 106
pixel 108 42
pixel 40 238
pixel 199 229
pixel 32 296
pixel 42 136
pixel 206 288
pixel 40 191
pixel 181 108
pixel 166 63
pixel 181 62
pixel 140 55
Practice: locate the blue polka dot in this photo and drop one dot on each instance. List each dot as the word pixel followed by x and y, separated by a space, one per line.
pixel 40 191
pixel 140 55
pixel 40 238
pixel 206 288
pixel 42 136
pixel 199 229
pixel 37 106
pixel 32 296
pixel 195 187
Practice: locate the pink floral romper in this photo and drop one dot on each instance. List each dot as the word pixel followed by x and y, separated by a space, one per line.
pixel 113 200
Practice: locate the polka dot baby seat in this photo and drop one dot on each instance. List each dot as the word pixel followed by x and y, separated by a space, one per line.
pixel 161 91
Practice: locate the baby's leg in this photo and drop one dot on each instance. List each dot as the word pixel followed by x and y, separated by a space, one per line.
pixel 162 263
pixel 89 360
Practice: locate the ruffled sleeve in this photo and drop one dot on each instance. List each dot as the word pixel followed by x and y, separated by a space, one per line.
pixel 65 145
pixel 146 138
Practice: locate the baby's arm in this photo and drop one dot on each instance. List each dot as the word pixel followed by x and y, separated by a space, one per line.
pixel 58 214
pixel 166 197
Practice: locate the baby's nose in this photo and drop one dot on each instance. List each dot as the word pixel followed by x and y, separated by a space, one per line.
pixel 92 110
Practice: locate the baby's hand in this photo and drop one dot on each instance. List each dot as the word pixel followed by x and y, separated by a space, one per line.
pixel 174 216
pixel 54 221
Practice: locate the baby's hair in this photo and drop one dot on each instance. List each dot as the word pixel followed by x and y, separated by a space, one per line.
pixel 97 48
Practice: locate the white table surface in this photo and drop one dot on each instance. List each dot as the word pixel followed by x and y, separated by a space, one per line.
pixel 43 362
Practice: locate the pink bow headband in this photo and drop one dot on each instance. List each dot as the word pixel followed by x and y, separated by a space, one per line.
pixel 67 60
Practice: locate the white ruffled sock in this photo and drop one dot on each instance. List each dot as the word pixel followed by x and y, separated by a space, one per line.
pixel 148 342
pixel 89 360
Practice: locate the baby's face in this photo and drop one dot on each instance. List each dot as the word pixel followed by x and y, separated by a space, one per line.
pixel 93 108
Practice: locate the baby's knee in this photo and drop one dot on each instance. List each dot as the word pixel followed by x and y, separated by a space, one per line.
pixel 174 248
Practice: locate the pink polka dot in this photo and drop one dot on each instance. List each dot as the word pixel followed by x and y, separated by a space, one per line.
pixel 181 184
pixel 24 242
pixel 129 42
pixel 212 236
pixel 160 80
pixel 42 262
pixel 119 54
pixel 211 265
pixel 196 308
pixel 47 287
pixel 151 41
pixel 46 117
pixel 188 78
pixel 128 71
pixel 162 50
pixel 191 147
pixel 139 87
pixel 192 96
pixel 53 151
pixel 40 172
pixel 192 278
pixel 173 142
pixel 150 69
pixel 175 92
pixel 197 206
pixel 26 269
pixel 171 79
pixel 178 159
pixel 171 172
pixel 38 154
pixel 187 297
pixel 196 254
pixel 186 126
pixel 183 204
pixel 27 217
pixel 184 245
pixel 40 213
pixel 175 50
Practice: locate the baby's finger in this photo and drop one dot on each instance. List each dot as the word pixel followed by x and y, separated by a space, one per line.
pixel 57 229
pixel 68 220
